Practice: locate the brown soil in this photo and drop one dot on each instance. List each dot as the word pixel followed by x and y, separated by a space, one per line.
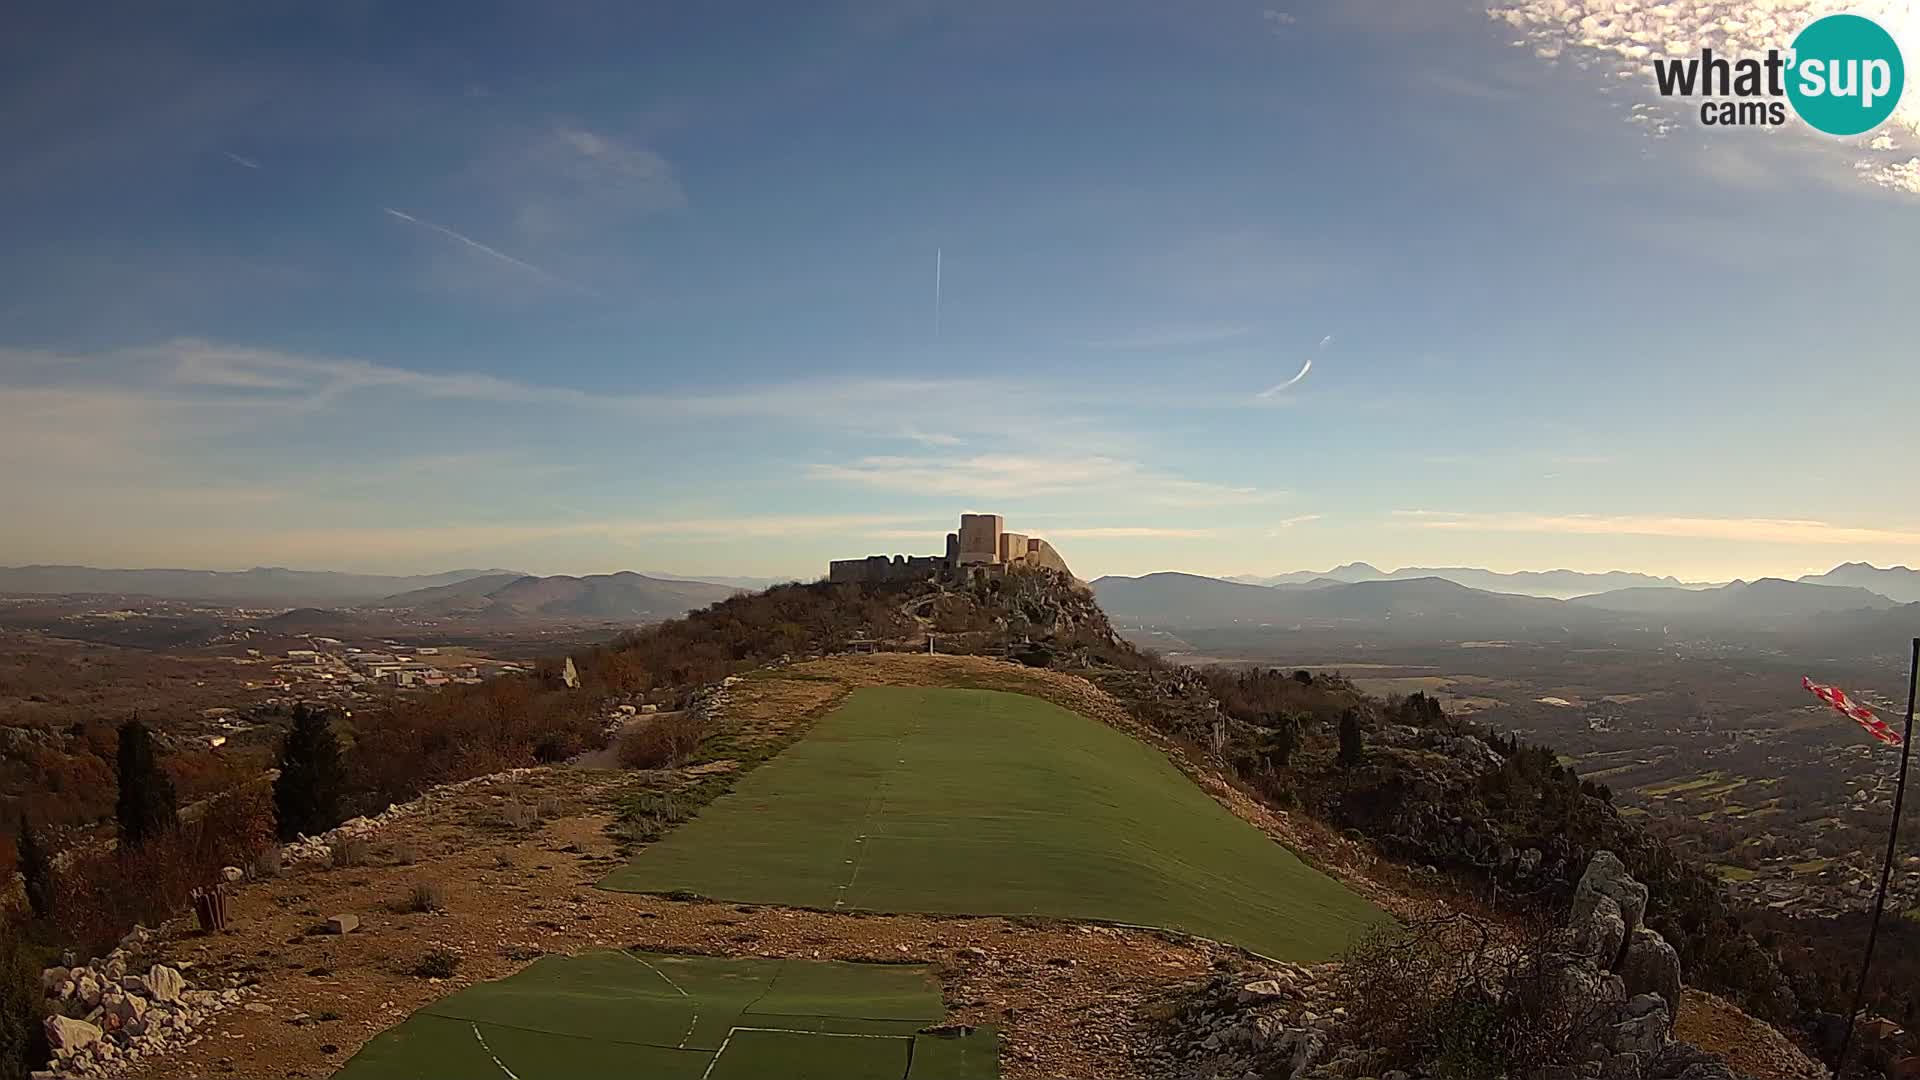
pixel 1750 1046
pixel 1070 1001
pixel 511 896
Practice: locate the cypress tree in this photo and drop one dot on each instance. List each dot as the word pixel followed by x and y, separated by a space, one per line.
pixel 36 869
pixel 307 794
pixel 1350 745
pixel 146 807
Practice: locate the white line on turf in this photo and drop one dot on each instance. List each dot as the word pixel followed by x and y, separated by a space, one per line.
pixel 731 1032
pixel 663 975
pixel 691 1024
pixel 496 1058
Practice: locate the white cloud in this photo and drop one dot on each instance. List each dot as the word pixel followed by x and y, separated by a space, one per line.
pixel 243 162
pixel 1624 37
pixel 1284 524
pixel 570 179
pixel 1749 530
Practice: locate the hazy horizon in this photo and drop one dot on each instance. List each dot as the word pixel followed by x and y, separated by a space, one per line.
pixel 1235 289
pixel 726 573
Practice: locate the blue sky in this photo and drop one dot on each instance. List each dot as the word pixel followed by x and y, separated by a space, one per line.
pixel 584 287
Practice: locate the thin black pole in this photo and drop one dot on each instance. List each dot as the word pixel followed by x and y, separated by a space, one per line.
pixel 1886 869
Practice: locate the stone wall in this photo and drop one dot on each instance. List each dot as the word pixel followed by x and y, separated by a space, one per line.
pixel 882 568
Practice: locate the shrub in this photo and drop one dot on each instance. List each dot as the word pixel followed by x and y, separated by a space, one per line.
pixel 428 896
pixel 23 1043
pixel 146 806
pixel 550 809
pixel 266 865
pixel 406 854
pixel 98 895
pixel 1461 998
pixel 346 851
pixel 648 816
pixel 312 780
pixel 35 870
pixel 1351 747
pixel 668 741
pixel 437 964
pixel 518 815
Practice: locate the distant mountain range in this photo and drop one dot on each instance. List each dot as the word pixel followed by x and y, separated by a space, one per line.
pixel 456 593
pixel 266 586
pixel 1766 598
pixel 1559 584
pixel 1895 582
pixel 1171 599
pixel 621 597
pixel 1440 608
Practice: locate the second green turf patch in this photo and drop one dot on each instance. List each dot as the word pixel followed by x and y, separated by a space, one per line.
pixel 670 1017
pixel 986 803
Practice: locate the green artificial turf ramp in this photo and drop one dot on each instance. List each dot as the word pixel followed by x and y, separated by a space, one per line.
pixel 668 1017
pixel 987 803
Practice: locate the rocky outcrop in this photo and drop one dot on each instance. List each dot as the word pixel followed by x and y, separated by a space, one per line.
pixel 1611 980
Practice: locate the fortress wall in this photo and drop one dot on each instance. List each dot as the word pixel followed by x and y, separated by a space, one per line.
pixel 1041 553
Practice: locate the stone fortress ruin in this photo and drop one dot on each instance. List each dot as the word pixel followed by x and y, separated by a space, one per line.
pixel 982 547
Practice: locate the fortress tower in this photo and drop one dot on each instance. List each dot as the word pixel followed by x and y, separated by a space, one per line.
pixel 980 539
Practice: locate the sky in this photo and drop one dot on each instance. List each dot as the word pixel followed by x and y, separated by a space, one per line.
pixel 732 288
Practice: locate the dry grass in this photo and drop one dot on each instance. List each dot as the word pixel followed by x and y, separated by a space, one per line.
pixel 348 851
pixel 427 896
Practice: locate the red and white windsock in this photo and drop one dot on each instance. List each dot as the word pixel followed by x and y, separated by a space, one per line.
pixel 1859 713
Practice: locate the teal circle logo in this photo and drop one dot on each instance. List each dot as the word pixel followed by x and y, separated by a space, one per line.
pixel 1846 75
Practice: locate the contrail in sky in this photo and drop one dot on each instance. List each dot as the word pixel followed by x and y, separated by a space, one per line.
pixel 1304 368
pixel 1272 390
pixel 494 252
pixel 245 163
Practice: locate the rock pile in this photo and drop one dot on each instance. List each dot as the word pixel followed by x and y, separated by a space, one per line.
pixel 105 1017
pixel 1273 1021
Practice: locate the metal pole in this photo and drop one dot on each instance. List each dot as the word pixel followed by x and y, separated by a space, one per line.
pixel 1886 869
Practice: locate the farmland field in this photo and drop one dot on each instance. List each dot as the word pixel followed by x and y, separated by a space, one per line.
pixel 987 803
pixel 672 1017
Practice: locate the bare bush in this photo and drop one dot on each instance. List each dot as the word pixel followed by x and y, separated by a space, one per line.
pixel 437 964
pixel 518 815
pixel 550 809
pixel 406 853
pixel 664 743
pixel 1463 998
pixel 346 851
pixel 266 865
pixel 428 896
pixel 98 895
